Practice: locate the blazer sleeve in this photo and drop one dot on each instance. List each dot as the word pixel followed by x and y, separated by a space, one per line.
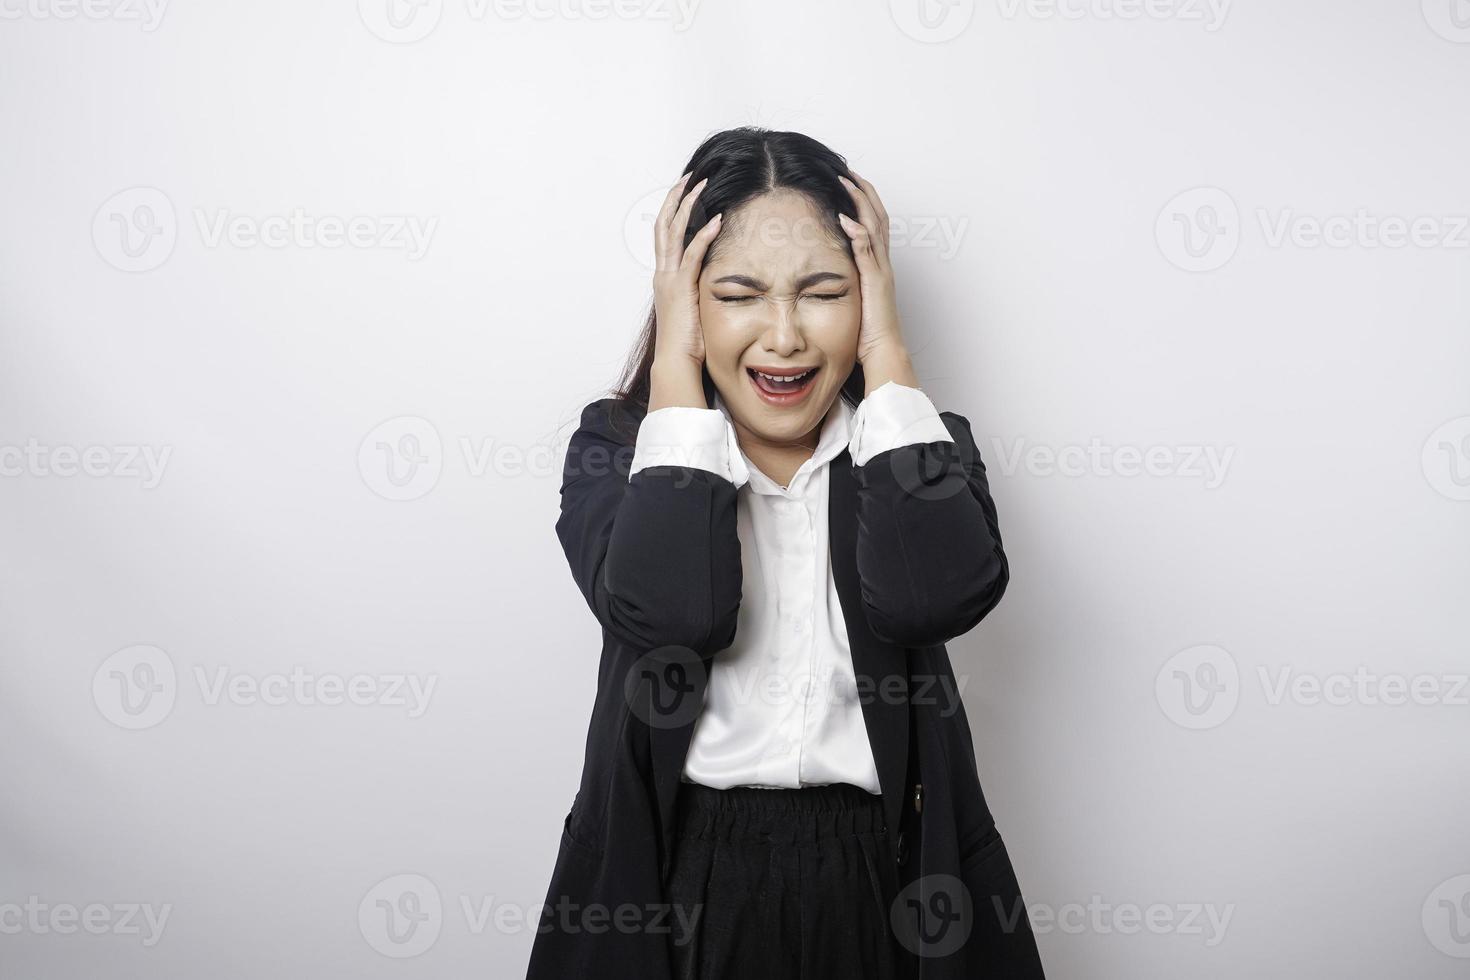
pixel 929 550
pixel 655 552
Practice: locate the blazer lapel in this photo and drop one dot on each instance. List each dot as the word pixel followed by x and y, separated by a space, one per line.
pixel 881 668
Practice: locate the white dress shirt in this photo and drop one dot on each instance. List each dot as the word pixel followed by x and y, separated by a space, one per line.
pixel 781 707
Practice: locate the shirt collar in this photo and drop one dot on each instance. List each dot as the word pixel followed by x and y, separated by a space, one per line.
pixel 835 435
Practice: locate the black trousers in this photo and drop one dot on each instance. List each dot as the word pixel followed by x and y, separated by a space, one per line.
pixel 787 884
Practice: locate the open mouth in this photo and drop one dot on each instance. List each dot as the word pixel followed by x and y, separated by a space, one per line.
pixel 782 386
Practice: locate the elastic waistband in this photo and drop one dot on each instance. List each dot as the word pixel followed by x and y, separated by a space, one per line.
pixel 749 814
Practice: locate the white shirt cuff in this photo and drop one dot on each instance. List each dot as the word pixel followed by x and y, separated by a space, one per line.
pixel 681 435
pixel 894 415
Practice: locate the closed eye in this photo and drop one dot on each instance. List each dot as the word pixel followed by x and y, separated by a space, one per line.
pixel 746 299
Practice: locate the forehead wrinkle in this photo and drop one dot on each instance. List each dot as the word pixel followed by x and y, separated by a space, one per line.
pixel 752 266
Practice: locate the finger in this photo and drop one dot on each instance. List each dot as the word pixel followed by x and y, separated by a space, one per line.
pixel 868 217
pixel 699 245
pixel 862 245
pixel 664 216
pixel 671 200
pixel 680 224
pixel 872 194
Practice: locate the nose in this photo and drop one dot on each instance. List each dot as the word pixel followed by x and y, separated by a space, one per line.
pixel 783 332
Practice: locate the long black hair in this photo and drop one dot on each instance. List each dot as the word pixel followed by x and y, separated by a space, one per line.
pixel 742 164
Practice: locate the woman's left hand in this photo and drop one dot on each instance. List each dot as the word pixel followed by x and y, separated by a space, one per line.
pixel 881 334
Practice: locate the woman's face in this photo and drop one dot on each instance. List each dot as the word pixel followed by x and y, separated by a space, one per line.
pixel 782 295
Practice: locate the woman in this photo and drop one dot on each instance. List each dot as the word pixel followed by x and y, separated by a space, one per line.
pixel 778 532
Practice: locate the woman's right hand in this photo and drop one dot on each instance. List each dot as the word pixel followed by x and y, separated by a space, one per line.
pixel 679 337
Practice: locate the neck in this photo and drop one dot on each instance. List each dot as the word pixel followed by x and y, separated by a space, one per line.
pixel 778 460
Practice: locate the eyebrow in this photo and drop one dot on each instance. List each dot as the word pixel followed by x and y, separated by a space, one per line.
pixel 810 279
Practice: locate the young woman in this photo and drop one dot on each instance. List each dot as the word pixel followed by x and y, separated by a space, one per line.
pixel 778 533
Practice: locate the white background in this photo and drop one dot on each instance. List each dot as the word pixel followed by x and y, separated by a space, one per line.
pixel 1038 155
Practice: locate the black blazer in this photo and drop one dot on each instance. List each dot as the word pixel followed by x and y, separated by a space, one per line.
pixel 917 559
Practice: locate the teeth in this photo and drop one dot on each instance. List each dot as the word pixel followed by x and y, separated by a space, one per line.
pixel 794 377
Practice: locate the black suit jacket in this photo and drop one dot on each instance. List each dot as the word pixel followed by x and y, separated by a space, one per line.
pixel 917 559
